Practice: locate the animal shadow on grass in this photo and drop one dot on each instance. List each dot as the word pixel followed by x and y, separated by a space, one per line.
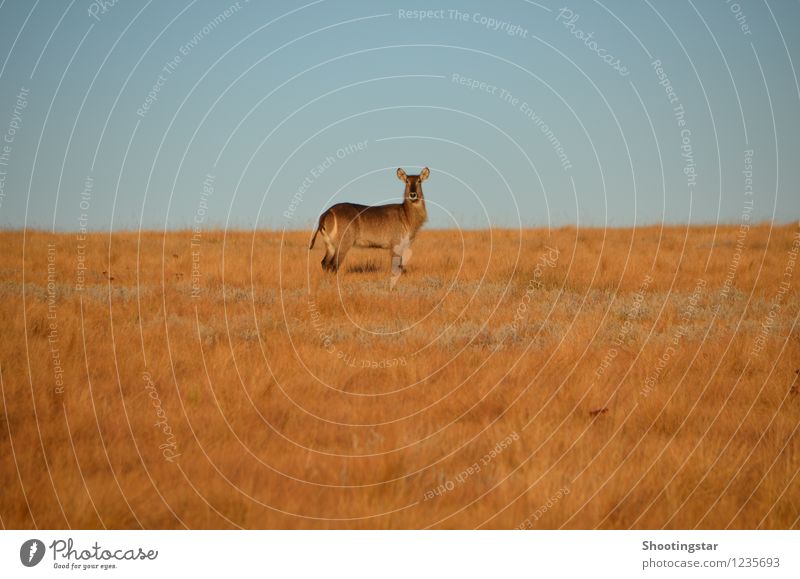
pixel 368 267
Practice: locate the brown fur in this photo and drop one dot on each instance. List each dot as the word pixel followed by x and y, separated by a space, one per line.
pixel 391 226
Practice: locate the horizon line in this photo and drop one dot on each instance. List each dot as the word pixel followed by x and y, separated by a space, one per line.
pixel 188 229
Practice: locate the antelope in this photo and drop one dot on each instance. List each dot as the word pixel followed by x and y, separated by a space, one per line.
pixel 391 226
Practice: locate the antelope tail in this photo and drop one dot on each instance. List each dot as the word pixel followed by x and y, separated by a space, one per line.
pixel 314 238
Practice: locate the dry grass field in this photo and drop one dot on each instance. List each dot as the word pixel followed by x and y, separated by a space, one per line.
pixel 577 378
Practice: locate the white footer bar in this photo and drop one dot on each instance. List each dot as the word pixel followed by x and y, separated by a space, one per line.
pixel 406 554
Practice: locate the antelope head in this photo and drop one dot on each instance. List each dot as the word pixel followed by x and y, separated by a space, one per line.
pixel 413 183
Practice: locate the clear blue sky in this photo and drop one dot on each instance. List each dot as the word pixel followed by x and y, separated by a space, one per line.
pixel 573 123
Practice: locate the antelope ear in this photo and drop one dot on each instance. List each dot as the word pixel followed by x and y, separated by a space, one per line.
pixel 424 174
pixel 401 174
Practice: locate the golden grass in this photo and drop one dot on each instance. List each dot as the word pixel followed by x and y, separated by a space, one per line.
pixel 619 380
